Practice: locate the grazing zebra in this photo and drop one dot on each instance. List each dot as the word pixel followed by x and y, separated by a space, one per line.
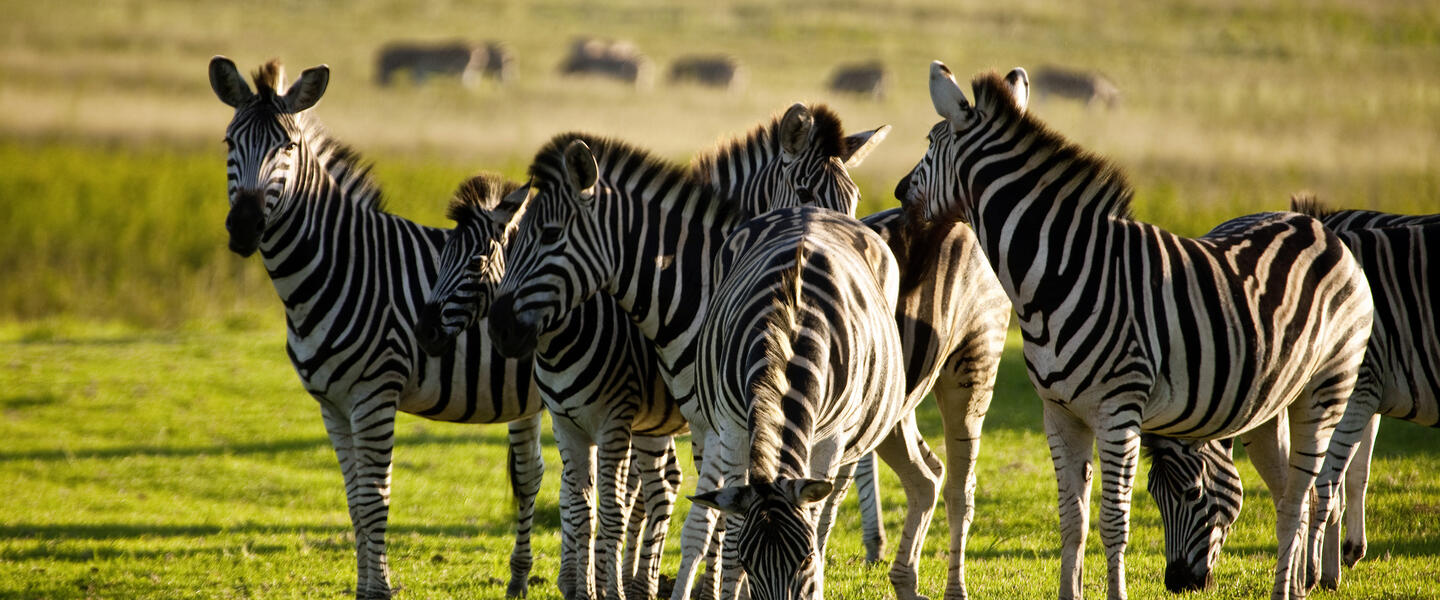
pixel 603 398
pixel 295 195
pixel 800 374
pixel 1400 376
pixel 619 60
pixel 1129 328
pixel 868 79
pixel 469 62
pixel 1091 88
pixel 718 71
pixel 1198 490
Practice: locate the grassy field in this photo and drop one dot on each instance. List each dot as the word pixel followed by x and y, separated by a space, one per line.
pixel 189 464
pixel 157 443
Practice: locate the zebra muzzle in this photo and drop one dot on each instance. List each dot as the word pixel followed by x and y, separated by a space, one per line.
pixel 513 337
pixel 246 222
pixel 430 332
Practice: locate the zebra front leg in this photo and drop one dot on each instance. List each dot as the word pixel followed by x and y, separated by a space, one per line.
pixel 700 527
pixel 1119 449
pixel 575 580
pixel 825 518
pixel 1268 447
pixel 1071 445
pixel 1355 428
pixel 363 446
pixel 962 413
pixel 635 519
pixel 660 478
pixel 527 470
pixel 867 494
pixel 920 472
pixel 612 472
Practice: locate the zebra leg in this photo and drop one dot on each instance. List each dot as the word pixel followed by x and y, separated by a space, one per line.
pixel 363 447
pixel 1119 449
pixel 635 516
pixel 1268 447
pixel 660 481
pixel 1071 446
pixel 612 470
pixel 962 413
pixel 527 469
pixel 575 580
pixel 867 494
pixel 920 472
pixel 825 517
pixel 1357 479
pixel 1312 421
pixel 700 526
pixel 1356 426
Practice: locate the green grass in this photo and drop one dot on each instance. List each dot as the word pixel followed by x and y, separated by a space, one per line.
pixel 189 464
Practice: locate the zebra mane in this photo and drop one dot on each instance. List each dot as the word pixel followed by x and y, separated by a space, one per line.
pixel 477 195
pixel 269 78
pixel 350 171
pixel 1307 203
pixel 829 134
pixel 769 387
pixel 994 99
pixel 608 150
pixel 916 245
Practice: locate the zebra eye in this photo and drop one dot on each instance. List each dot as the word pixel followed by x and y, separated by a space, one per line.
pixel 550 235
pixel 290 147
pixel 805 564
pixel 229 143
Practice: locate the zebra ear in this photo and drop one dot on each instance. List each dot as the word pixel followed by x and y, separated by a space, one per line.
pixel 1019 82
pixel 859 145
pixel 225 79
pixel 308 89
pixel 733 500
pixel 795 129
pixel 806 491
pixel 945 94
pixel 580 166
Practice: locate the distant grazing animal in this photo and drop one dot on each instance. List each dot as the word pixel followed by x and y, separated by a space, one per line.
pixel 352 278
pixel 469 62
pixel 869 79
pixel 712 71
pixel 619 60
pixel 1129 329
pixel 1091 88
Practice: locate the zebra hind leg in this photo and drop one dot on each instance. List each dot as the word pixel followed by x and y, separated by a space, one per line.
pixel 867 493
pixel 1357 480
pixel 660 479
pixel 527 468
pixel 920 472
pixel 612 471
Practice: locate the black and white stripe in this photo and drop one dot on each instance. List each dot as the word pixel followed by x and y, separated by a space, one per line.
pixel 352 278
pixel 1198 490
pixel 597 377
pixel 800 374
pixel 1129 328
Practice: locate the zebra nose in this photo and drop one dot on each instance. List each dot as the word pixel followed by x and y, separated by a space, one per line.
pixel 1179 577
pixel 429 333
pixel 512 337
pixel 902 189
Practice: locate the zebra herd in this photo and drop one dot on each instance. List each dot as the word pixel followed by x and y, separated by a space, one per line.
pixel 738 299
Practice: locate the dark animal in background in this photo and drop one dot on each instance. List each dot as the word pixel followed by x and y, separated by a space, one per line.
pixel 614 59
pixel 1086 86
pixel 862 78
pixel 709 70
pixel 469 62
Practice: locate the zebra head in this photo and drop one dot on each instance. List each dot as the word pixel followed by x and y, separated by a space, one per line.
pixel 936 182
pixel 268 143
pixel 472 261
pixel 1198 490
pixel 564 261
pixel 777 537
pixel 802 158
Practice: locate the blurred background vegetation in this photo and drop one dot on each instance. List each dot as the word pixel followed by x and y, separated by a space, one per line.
pixel 112 195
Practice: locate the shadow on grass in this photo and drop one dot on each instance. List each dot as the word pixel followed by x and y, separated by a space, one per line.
pixel 265 447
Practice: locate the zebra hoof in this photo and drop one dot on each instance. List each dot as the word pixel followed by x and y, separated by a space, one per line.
pixel 1351 553
pixel 1330 583
pixel 517 589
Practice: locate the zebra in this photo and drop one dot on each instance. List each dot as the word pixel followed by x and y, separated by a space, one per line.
pixel 1193 338
pixel 295 193
pixel 603 398
pixel 868 79
pixel 800 374
pixel 719 71
pixel 1091 88
pixel 470 62
pixel 1398 377
pixel 801 154
pixel 1197 488
pixel 619 60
